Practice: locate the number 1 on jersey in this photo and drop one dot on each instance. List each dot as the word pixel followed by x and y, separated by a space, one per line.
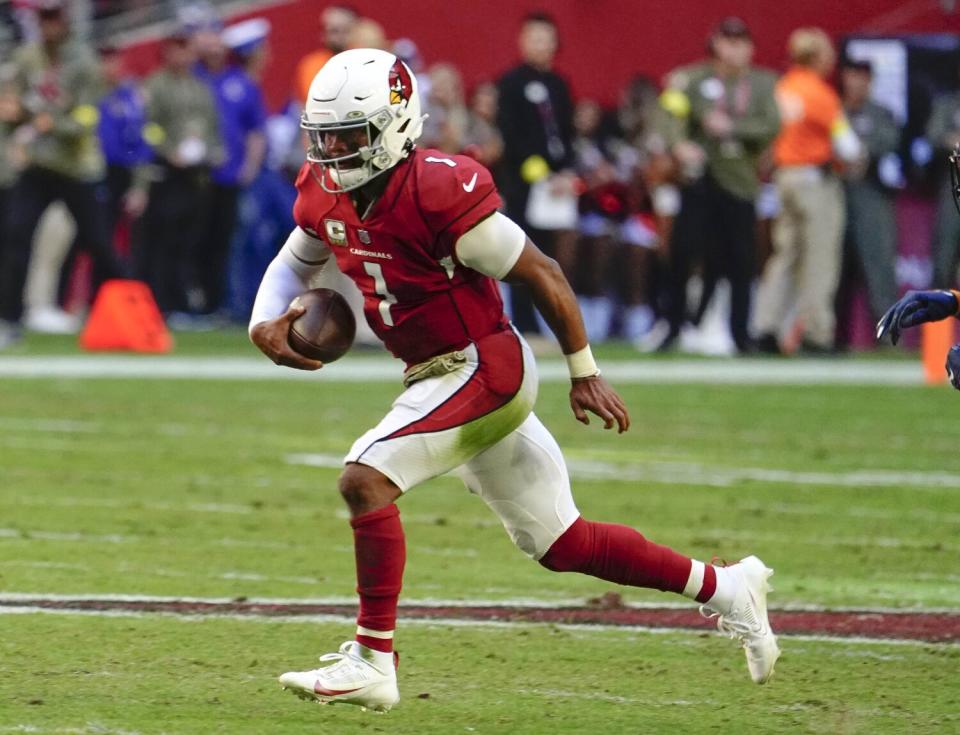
pixel 375 271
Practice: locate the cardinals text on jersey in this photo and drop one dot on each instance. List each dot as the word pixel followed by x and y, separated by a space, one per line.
pixel 418 298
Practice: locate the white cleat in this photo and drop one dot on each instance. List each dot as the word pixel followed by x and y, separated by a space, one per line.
pixel 747 618
pixel 351 678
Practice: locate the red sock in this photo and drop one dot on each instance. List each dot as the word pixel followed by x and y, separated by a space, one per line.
pixel 380 553
pixel 617 554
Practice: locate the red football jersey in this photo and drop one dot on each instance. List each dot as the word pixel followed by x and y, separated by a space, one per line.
pixel 417 297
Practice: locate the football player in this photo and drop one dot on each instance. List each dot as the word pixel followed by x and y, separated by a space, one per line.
pixel 917 307
pixel 420 234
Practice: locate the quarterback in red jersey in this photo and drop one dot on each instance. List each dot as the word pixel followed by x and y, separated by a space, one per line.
pixel 420 234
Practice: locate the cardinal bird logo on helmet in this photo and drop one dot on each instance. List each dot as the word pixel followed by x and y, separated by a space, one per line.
pixel 400 85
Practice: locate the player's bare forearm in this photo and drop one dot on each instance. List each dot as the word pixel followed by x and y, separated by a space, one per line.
pixel 558 304
pixel 552 294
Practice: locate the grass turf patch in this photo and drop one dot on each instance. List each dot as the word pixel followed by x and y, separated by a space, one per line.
pixel 183 488
pixel 160 675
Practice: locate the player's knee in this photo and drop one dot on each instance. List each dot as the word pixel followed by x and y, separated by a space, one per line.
pixel 365 490
pixel 572 551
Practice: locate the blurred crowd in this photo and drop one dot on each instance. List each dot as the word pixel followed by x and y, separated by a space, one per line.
pixel 726 208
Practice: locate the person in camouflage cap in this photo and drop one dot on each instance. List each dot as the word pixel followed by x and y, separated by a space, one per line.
pixel 721 116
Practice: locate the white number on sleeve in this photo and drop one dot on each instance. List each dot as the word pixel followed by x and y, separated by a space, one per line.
pixel 446 161
pixel 375 271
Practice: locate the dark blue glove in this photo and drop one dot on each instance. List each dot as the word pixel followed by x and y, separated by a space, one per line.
pixel 916 307
pixel 953 366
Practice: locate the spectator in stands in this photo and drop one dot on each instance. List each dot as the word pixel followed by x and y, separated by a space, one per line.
pixel 367 33
pixel 722 117
pixel 264 212
pixel 57 80
pixel 184 129
pixel 249 44
pixel 242 115
pixel 535 118
pixel 644 164
pixel 337 22
pixel 11 33
pixel 943 132
pixel 446 125
pixel 483 139
pixel 808 233
pixel 603 210
pixel 870 244
pixel 123 116
pixel 10 112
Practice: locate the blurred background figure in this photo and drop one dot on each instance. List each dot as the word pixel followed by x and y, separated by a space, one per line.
pixel 9 116
pixel 448 117
pixel 265 205
pixel 723 115
pixel 241 117
pixel 336 22
pixel 870 244
pixel 943 132
pixel 123 192
pixel 367 33
pixel 452 126
pixel 57 83
pixel 123 117
pixel 535 118
pixel 184 128
pixel 484 141
pixel 804 268
pixel 644 164
pixel 603 209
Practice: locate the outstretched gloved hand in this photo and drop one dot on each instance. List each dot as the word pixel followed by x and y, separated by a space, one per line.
pixel 917 307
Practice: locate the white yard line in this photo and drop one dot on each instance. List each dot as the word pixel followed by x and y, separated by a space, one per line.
pixel 90 729
pixel 28 599
pixel 56 426
pixel 133 505
pixel 687 473
pixel 440 623
pixel 376 369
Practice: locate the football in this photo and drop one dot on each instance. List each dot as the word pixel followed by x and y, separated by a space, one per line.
pixel 325 331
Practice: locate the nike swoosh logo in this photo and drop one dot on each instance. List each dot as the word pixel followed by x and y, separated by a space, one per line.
pixel 469 187
pixel 323 691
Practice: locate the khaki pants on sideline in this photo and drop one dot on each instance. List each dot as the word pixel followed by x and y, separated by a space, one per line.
pixel 804 268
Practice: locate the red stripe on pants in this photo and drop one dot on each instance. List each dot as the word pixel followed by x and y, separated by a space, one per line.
pixel 497 379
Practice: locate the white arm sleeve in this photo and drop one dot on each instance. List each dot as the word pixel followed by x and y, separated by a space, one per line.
pixel 304 253
pixel 300 259
pixel 492 246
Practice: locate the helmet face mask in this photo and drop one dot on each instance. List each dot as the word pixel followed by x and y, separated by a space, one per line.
pixel 362 117
pixel 344 151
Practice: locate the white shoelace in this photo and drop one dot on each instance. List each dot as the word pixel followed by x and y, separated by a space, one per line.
pixel 344 658
pixel 739 629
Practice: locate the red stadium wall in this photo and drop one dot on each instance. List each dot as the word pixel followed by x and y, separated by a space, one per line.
pixel 604 42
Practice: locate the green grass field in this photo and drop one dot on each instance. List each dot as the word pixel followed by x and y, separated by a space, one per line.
pixel 192 488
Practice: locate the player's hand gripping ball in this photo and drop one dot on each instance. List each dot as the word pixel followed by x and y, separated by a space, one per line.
pixel 325 331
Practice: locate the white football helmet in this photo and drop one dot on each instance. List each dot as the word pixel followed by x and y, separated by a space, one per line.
pixel 362 117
